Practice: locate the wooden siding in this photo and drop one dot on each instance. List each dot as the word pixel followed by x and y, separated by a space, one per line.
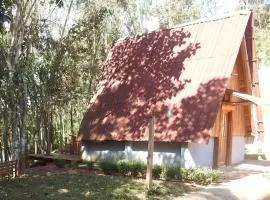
pixel 241 114
pixel 216 128
pixel 246 79
pixel 223 140
pixel 233 120
pixel 240 118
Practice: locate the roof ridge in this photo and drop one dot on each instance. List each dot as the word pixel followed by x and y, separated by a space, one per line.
pixel 213 18
pixel 201 20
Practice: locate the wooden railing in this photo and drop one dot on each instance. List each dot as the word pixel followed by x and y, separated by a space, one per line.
pixel 8 170
pixel 73 147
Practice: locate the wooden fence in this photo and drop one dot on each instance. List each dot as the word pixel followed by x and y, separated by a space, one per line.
pixel 8 170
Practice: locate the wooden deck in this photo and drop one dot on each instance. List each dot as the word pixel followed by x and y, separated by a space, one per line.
pixel 55 156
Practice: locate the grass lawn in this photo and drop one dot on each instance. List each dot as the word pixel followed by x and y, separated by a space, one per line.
pixel 62 185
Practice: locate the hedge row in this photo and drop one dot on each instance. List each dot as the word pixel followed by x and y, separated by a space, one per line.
pixel 167 172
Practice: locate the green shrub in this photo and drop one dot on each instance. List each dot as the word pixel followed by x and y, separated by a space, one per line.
pixel 171 172
pixel 131 168
pixel 60 163
pixel 215 174
pixel 124 167
pixel 199 175
pixel 188 174
pixel 167 172
pixel 108 166
pixel 138 169
pixel 157 170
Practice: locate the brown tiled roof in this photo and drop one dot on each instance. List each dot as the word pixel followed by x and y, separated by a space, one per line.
pixel 178 75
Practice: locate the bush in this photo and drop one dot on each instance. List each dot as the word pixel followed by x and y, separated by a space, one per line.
pixel 188 174
pixel 124 167
pixel 167 172
pixel 138 169
pixel 131 168
pixel 60 163
pixel 215 175
pixel 171 172
pixel 157 170
pixel 200 175
pixel 108 166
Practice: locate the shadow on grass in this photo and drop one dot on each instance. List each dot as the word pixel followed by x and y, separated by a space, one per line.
pixel 83 186
pixel 169 189
pixel 213 194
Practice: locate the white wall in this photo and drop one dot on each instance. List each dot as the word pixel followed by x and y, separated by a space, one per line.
pixel 188 155
pixel 92 151
pixel 199 155
pixel 164 153
pixel 238 149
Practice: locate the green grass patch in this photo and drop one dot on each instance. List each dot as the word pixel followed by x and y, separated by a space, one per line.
pixel 85 186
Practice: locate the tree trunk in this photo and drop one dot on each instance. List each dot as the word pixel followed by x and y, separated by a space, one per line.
pixel 15 135
pixel 23 126
pixel 71 120
pixel 13 61
pixel 51 129
pixel 61 129
pixel 37 132
pixel 5 133
pixel 149 171
pixel 47 133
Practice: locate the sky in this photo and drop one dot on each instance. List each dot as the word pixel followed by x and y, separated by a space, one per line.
pixel 226 5
pixel 222 7
pixel 58 16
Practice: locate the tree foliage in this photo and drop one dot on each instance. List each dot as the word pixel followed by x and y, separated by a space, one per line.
pixel 262 19
pixel 262 24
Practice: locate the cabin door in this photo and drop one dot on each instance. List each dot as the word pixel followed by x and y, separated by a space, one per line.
pixel 223 140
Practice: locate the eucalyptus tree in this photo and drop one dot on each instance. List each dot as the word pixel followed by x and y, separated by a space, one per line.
pixel 17 46
pixel 11 48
